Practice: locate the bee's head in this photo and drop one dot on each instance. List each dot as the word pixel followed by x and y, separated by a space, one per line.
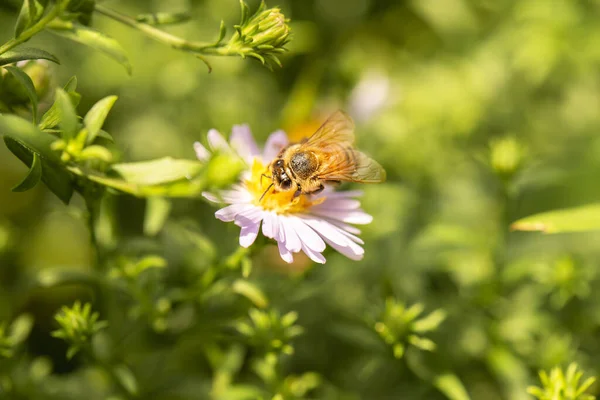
pixel 281 180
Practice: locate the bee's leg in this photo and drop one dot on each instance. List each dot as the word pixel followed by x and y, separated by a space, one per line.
pixel 319 190
pixel 298 192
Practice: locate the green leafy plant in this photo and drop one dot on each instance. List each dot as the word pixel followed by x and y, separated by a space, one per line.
pixel 12 337
pixel 261 36
pixel 563 385
pixel 483 114
pixel 77 326
pixel 400 326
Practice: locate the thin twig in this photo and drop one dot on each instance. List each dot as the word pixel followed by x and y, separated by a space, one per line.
pixel 162 36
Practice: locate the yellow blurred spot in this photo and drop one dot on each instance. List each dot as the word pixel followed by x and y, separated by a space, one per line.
pixel 297 132
pixel 531 227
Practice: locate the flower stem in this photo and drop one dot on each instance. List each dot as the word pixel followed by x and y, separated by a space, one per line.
pixel 33 30
pixel 162 36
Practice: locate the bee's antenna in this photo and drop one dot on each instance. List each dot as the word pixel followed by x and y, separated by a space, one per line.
pixel 263 195
pixel 264 176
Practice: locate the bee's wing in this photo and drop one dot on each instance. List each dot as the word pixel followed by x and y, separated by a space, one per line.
pixel 333 142
pixel 348 164
pixel 338 129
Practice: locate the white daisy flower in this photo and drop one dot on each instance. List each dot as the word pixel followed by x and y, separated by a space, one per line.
pixel 306 223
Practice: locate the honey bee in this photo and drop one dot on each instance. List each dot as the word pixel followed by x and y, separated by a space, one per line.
pixel 328 156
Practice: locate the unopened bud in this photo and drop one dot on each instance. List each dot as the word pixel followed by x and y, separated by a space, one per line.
pixel 262 35
pixel 506 156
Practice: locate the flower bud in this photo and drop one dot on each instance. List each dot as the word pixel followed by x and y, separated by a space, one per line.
pixel 506 156
pixel 262 35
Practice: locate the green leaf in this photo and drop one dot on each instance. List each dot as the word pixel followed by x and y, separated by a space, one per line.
pixel 94 119
pixel 83 9
pixel 180 188
pixel 57 277
pixel 240 392
pixel 20 328
pixel 31 12
pixel 105 222
pixel 56 179
pixel 24 140
pixel 451 386
pixel 32 178
pixel 52 117
pixel 96 152
pixel 127 379
pixel 29 136
pixel 106 136
pixel 71 351
pixel 67 115
pixel 150 262
pixel 223 169
pixel 27 83
pixel 71 85
pixel 577 219
pixel 93 38
pixel 26 53
pixel 165 177
pixel 430 322
pixel 251 292
pixel 158 171
pixel 157 212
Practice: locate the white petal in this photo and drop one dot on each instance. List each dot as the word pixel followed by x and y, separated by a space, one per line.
pixel 268 228
pixel 243 142
pixel 275 142
pixel 228 213
pixel 254 214
pixel 350 217
pixel 217 141
pixel 229 196
pixel 285 253
pixel 338 204
pixel 281 236
pixel 248 233
pixel 353 252
pixel 313 255
pixel 292 241
pixel 275 226
pixel 354 238
pixel 337 238
pixel 211 197
pixel 345 227
pixel 308 237
pixel 342 194
pixel 327 231
pixel 201 153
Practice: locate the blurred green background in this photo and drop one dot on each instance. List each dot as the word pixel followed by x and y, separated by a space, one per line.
pixel 481 111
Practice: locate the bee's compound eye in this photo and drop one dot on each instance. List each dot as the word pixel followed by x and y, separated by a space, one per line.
pixel 286 184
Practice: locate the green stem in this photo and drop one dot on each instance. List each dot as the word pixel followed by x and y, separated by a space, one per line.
pixel 33 30
pixel 164 37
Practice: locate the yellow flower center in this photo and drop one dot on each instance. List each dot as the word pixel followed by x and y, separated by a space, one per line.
pixel 280 202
